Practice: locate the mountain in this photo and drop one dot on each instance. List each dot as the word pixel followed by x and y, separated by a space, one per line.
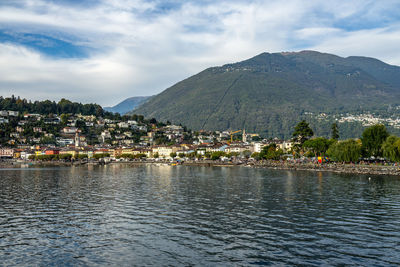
pixel 128 104
pixel 270 93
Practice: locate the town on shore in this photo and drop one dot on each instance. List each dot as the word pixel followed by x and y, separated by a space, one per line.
pixel 76 136
pixel 88 134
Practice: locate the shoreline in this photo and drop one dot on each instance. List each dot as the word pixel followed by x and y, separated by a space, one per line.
pixel 371 169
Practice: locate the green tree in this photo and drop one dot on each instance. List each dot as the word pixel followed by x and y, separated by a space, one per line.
pixel 101 155
pixel 64 118
pixel 318 146
pixel 372 140
pixel 271 152
pixel 335 131
pixel 141 156
pixel 65 156
pixel 47 140
pixel 192 155
pixel 232 154
pixel 217 155
pixel 172 154
pixel 80 124
pixel 82 156
pixel 391 148
pixel 302 132
pixel 256 156
pixel 348 151
pixel 246 154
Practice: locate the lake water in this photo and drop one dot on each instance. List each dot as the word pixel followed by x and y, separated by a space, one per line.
pixel 207 216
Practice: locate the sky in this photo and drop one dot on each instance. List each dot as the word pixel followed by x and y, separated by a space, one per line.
pixel 103 51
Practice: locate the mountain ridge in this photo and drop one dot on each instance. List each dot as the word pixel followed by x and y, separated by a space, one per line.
pixel 128 104
pixel 270 92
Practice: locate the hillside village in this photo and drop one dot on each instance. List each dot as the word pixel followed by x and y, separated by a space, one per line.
pixel 31 136
pixel 365 119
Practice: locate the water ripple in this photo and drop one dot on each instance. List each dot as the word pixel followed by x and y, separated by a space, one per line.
pixel 163 215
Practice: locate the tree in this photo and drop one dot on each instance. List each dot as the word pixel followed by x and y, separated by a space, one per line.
pixel 302 132
pixel 64 118
pixel 232 154
pixel 82 156
pixel 101 155
pixel 80 124
pixel 256 156
pixel 140 156
pixel 47 140
pixel 335 131
pixel 65 156
pixel 192 155
pixel 348 151
pixel 271 152
pixel 391 148
pixel 318 145
pixel 372 140
pixel 217 155
pixel 172 154
pixel 246 154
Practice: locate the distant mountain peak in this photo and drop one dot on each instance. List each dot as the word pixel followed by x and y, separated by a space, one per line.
pixel 128 104
pixel 270 92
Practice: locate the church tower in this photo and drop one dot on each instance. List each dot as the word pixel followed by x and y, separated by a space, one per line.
pixel 77 139
pixel 244 136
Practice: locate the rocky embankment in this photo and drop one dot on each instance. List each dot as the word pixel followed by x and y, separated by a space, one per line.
pixel 38 164
pixel 373 169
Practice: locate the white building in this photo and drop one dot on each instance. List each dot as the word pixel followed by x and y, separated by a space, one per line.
pixel 70 130
pixel 65 141
pixel 13 113
pixel 6 153
pixel 165 151
pixel 285 145
pixel 122 124
pixel 257 147
pixel 105 135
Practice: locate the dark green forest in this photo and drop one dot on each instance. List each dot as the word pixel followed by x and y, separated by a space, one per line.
pixel 49 107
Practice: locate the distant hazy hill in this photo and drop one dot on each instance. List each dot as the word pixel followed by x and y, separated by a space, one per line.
pixel 270 93
pixel 128 104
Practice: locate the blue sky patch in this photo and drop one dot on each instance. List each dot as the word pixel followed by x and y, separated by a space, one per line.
pixel 46 45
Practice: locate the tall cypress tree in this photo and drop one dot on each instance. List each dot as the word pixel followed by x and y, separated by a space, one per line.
pixel 335 131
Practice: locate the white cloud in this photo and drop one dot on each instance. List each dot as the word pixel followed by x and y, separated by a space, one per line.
pixel 140 50
pixel 378 43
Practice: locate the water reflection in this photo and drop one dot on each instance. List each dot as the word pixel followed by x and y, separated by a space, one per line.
pixel 177 215
pixel 320 176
